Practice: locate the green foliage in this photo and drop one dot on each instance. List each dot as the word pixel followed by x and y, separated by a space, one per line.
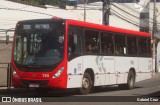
pixel 52 2
pixel 38 2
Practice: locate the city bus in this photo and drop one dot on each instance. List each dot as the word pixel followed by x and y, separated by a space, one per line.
pixel 64 53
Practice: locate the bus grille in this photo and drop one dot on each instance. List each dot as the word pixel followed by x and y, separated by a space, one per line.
pixel 40 82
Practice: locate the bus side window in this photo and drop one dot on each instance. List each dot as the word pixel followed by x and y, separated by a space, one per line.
pixel 92 41
pixel 149 47
pixel 74 43
pixel 120 45
pixel 142 43
pixel 132 45
pixel 107 46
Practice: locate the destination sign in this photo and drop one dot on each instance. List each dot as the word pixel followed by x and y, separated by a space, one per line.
pixel 42 26
pixel 36 26
pixel 26 27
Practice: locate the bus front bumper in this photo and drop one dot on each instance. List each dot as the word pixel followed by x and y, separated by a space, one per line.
pixel 60 82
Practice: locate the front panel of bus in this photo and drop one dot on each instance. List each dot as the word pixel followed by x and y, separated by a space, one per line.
pixel 38 57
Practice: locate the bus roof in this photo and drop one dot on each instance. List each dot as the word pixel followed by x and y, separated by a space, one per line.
pixel 41 20
pixel 108 28
pixel 91 25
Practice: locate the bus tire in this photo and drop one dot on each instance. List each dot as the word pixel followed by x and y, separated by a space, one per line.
pixel 130 82
pixel 87 84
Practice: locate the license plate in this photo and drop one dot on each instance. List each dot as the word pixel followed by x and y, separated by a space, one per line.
pixel 33 85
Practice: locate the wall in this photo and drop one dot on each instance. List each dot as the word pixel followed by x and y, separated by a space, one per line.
pixel 5 57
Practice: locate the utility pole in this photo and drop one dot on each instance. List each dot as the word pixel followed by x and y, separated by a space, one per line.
pixel 154 32
pixel 85 3
pixel 105 12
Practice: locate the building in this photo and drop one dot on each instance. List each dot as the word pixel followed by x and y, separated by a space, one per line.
pixel 129 14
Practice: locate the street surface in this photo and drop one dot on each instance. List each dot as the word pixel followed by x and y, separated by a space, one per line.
pixel 149 88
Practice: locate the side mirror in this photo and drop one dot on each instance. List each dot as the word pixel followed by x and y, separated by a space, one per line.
pixel 7 39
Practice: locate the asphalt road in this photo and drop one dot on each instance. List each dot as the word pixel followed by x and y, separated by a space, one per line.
pixel 117 96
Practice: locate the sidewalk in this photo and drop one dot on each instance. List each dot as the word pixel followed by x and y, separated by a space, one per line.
pixel 3 87
pixel 157 75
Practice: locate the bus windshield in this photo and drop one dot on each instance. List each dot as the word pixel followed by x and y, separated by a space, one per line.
pixel 40 46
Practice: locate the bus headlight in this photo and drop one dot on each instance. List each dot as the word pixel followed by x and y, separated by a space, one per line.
pixel 58 73
pixel 14 72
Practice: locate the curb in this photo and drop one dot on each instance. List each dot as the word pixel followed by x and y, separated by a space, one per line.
pixel 3 87
pixel 157 75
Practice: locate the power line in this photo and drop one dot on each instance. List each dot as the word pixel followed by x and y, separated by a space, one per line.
pixel 145 6
pixel 89 8
pixel 27 11
pixel 128 7
pixel 150 19
pixel 16 8
pixel 133 9
pixel 124 18
pixel 127 20
pixel 126 12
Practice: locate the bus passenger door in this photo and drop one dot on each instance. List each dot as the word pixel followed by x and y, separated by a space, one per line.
pixel 74 57
pixel 145 60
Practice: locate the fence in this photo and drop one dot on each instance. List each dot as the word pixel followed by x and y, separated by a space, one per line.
pixel 6 66
pixel 3 39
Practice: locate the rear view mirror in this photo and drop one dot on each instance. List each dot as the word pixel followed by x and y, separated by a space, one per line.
pixel 7 39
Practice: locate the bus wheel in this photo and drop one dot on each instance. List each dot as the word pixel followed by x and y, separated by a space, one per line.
pixel 130 82
pixel 86 84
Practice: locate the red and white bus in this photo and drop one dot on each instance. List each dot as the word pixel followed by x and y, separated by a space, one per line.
pixel 59 53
